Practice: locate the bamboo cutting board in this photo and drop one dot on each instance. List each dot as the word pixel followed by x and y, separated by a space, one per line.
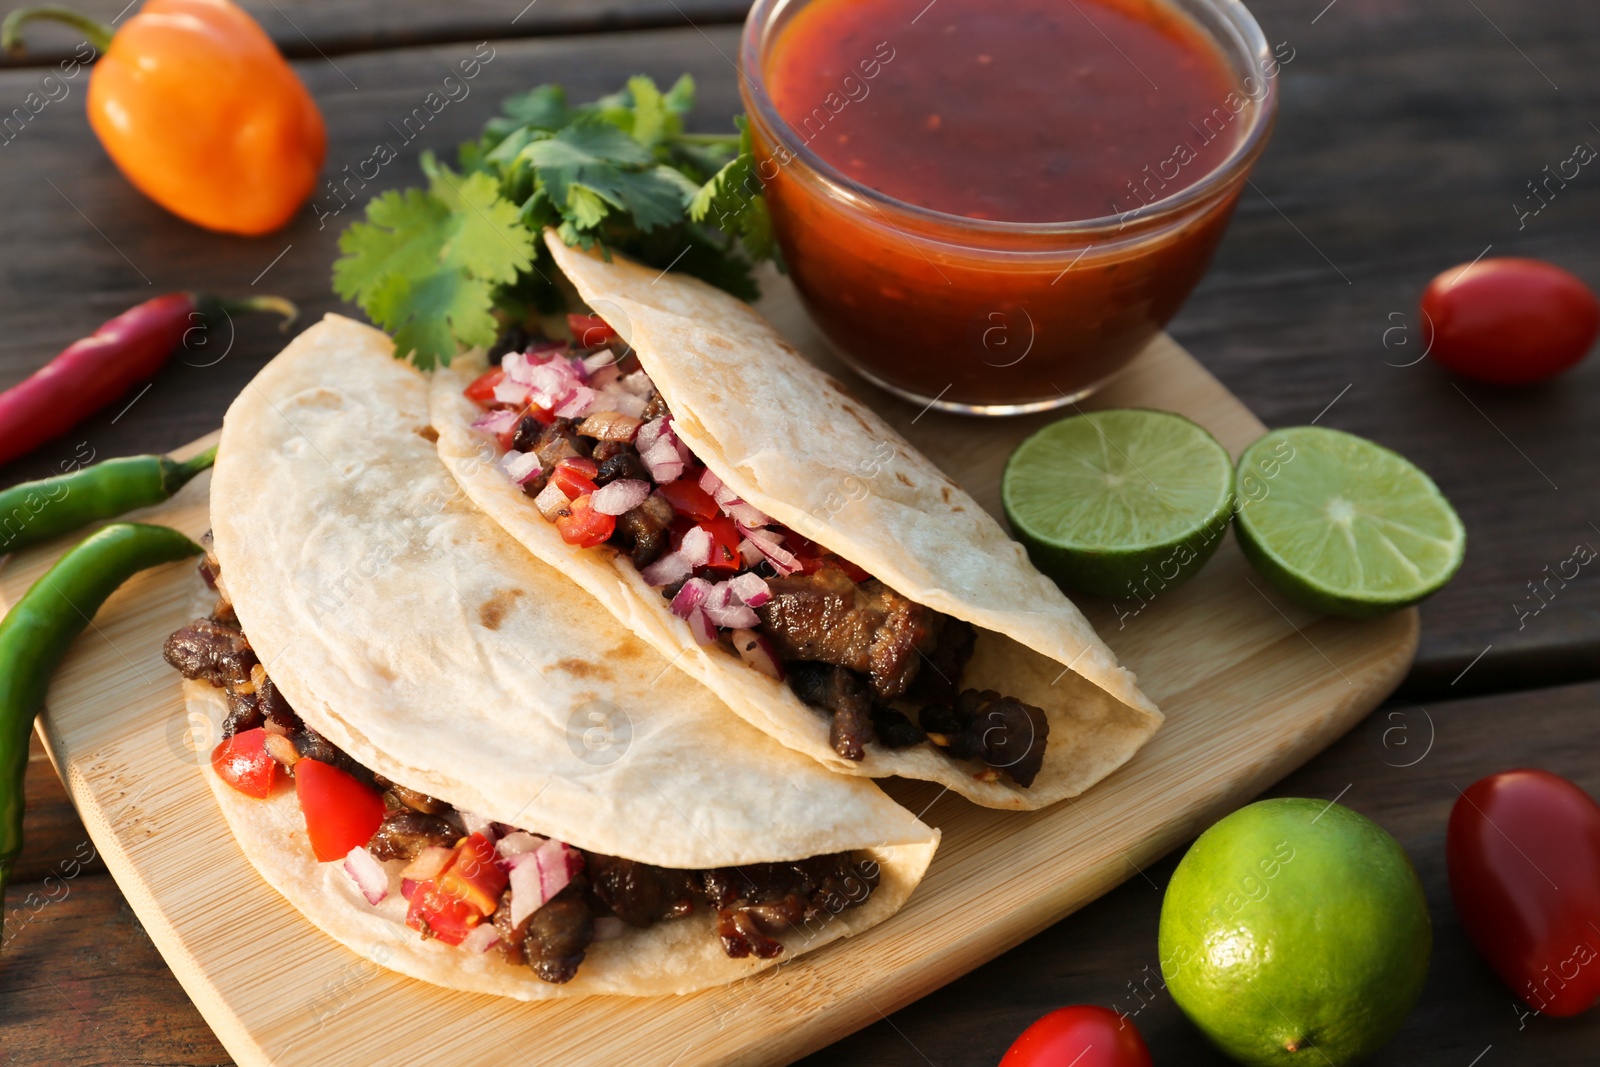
pixel 1251 687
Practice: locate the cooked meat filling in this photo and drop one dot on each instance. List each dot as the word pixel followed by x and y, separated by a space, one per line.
pixel 1001 731
pixel 850 646
pixel 753 904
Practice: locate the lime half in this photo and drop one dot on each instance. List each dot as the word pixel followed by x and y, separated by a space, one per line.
pixel 1342 525
pixel 1121 503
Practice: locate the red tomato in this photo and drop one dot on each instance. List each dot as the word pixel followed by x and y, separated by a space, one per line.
pixel 438 914
pixel 482 387
pixel 473 875
pixel 575 476
pixel 725 538
pixel 589 331
pixel 580 524
pixel 243 763
pixel 689 499
pixel 1508 321
pixel 1083 1035
pixel 1514 838
pixel 340 812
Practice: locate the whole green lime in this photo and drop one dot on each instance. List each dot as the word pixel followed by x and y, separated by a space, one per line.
pixel 1295 932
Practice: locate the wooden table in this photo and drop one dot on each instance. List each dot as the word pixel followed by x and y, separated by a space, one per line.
pixel 1407 132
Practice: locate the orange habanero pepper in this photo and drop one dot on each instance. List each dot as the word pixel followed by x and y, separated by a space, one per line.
pixel 197 108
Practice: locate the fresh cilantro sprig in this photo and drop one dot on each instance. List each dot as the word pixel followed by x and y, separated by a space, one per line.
pixel 443 268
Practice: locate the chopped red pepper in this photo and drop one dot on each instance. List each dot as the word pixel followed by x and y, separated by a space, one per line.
pixel 438 914
pixel 242 761
pixel 473 875
pixel 341 813
pixel 575 476
pixel 687 498
pixel 590 331
pixel 725 538
pixel 580 524
pixel 482 387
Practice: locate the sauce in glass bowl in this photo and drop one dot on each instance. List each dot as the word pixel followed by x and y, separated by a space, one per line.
pixel 995 206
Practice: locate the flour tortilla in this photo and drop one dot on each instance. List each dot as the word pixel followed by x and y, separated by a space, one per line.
pixel 790 440
pixel 409 630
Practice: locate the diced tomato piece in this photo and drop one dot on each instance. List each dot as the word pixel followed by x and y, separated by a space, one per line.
pixel 482 387
pixel 341 813
pixel 813 557
pixel 575 476
pixel 474 876
pixel 687 498
pixel 242 761
pixel 438 914
pixel 580 524
pixel 725 538
pixel 588 331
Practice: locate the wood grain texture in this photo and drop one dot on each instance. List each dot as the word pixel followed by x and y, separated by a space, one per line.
pixel 1405 133
pixel 1251 689
pixel 1401 768
pixel 317 29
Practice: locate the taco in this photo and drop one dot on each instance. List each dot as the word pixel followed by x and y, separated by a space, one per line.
pixel 450 758
pixel 740 511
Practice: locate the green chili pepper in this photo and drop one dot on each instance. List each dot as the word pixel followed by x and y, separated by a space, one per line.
pixel 35 633
pixel 37 511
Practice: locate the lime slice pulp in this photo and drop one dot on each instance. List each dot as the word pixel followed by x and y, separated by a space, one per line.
pixel 1343 525
pixel 1119 503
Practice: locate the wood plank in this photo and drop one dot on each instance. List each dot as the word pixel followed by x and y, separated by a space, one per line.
pixel 1274 321
pixel 1407 132
pixel 1106 953
pixel 308 29
pixel 1251 689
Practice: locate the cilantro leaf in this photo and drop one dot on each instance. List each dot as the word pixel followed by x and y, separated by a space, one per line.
pixel 445 267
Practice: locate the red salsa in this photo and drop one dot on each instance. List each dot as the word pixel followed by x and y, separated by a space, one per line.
pixel 1028 111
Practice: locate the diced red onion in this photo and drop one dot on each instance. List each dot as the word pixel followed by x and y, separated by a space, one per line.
pixel 482 938
pixel 523 467
pixel 746 514
pixel 626 403
pixel 605 378
pixel 711 483
pixel 407 887
pixel 703 629
pixel 650 433
pixel 609 928
pixel 496 422
pixel 670 568
pixel 518 368
pixel 750 588
pixel 783 561
pixel 757 652
pixel 368 874
pixel 429 862
pixel 638 383
pixel 691 596
pixel 550 500
pixel 732 616
pixel 510 392
pixel 577 402
pixel 750 553
pixel 537 876
pixel 620 496
pixel 516 843
pixel 478 824
pixel 599 360
pixel 696 546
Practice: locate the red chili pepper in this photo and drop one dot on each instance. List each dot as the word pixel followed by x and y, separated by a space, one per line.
pixel 580 524
pixel 725 540
pixel 92 372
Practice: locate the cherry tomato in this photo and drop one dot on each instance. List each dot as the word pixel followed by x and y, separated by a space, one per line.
pixel 1508 321
pixel 1515 838
pixel 340 812
pixel 482 387
pixel 243 763
pixel 689 499
pixel 725 538
pixel 590 331
pixel 580 524
pixel 575 476
pixel 1083 1035
pixel 438 914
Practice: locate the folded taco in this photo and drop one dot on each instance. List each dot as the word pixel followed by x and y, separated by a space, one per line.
pixel 452 759
pixel 778 541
